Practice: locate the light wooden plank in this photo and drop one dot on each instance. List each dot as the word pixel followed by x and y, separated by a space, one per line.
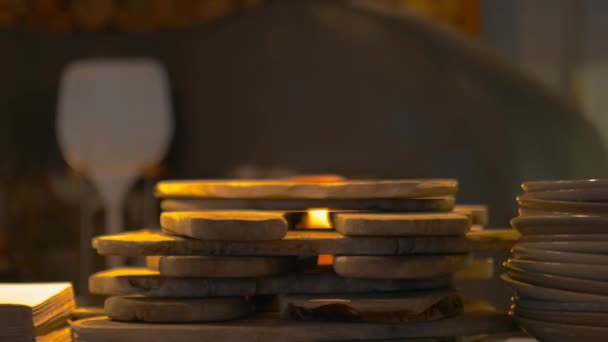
pixel 227 225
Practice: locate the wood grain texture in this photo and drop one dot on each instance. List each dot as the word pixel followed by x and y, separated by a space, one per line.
pixel 381 308
pixel 428 204
pixel 289 189
pixel 226 225
pixel 398 267
pixel 224 267
pixel 377 224
pixel 149 283
pixel 172 310
pixel 268 328
pixel 145 243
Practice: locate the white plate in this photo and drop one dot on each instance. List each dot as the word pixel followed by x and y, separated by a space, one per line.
pixel 536 212
pixel 598 319
pixel 559 282
pixel 585 271
pixel 579 201
pixel 564 224
pixel 520 252
pixel 598 195
pixel 526 290
pixel 543 305
pixel 592 247
pixel 557 332
pixel 563 184
pixel 564 237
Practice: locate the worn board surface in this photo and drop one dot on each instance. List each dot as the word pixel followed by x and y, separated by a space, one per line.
pixel 172 310
pixel 428 204
pixel 284 189
pixel 144 243
pixel 138 281
pixel 384 307
pixel 381 224
pixel 398 267
pixel 224 267
pixel 268 328
pixel 226 225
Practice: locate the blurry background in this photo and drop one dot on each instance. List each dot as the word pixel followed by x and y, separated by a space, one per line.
pixel 489 92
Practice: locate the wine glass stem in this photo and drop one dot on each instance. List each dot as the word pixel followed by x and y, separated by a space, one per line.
pixel 114 225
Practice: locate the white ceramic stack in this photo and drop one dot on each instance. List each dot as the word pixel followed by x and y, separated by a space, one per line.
pixel 559 268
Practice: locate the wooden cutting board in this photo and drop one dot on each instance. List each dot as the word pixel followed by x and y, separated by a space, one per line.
pixel 293 189
pixel 428 204
pixel 400 224
pixel 225 267
pixel 144 243
pixel 138 281
pixel 268 328
pixel 176 310
pixel 226 225
pixel 399 267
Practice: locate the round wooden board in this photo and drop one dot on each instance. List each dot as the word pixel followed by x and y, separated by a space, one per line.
pixel 226 225
pixel 172 310
pixel 284 189
pixel 224 266
pixel 399 267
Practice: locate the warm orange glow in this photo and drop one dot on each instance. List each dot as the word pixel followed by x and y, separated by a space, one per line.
pixel 325 259
pixel 318 218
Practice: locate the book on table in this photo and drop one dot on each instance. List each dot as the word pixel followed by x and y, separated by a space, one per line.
pixel 35 311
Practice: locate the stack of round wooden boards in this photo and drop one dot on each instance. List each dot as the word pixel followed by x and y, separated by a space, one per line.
pixel 229 265
pixel 559 269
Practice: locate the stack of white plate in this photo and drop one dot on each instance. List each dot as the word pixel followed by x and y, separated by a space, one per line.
pixel 559 268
